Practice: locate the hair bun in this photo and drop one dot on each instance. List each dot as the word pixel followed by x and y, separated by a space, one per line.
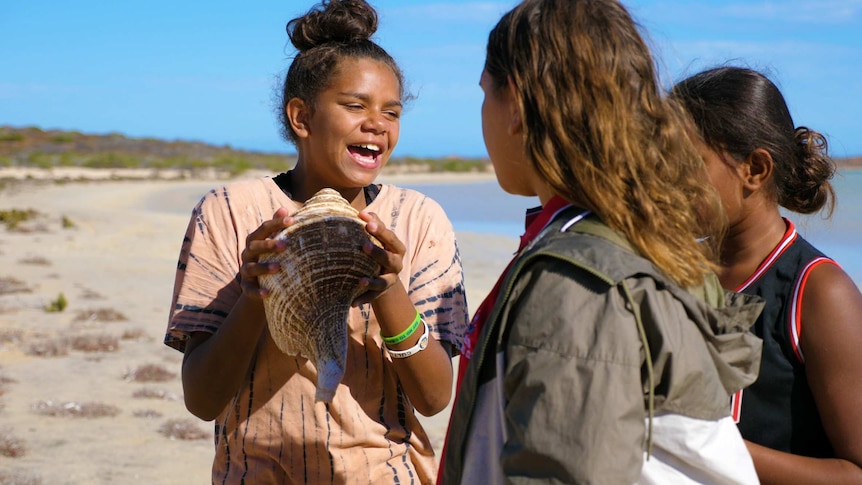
pixel 333 21
pixel 806 188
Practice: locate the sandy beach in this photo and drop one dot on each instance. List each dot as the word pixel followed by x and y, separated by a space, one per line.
pixel 89 394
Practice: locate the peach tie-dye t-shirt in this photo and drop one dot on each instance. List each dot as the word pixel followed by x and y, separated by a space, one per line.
pixel 273 431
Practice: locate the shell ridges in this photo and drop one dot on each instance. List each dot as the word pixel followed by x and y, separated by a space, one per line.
pixel 310 297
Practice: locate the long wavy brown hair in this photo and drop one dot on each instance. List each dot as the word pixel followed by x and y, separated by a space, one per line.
pixel 599 130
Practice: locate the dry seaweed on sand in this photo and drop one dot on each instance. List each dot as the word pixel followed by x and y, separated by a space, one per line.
pixel 75 409
pixel 10 285
pixel 10 445
pixel 150 373
pixel 148 393
pixel 183 429
pixel 99 315
pixel 55 347
pixel 147 414
pixel 95 343
pixel 15 477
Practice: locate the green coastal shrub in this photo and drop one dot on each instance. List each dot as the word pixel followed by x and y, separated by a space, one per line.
pixel 67 159
pixel 10 136
pixel 57 305
pixel 65 137
pixel 12 217
pixel 232 164
pixel 41 160
pixel 112 160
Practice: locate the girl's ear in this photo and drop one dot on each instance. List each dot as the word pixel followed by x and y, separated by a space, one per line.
pixel 757 169
pixel 298 114
pixel 514 127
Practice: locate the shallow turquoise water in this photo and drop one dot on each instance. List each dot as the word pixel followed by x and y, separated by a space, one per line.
pixel 841 236
pixel 485 208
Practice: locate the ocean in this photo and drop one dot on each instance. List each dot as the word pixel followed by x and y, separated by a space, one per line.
pixel 484 207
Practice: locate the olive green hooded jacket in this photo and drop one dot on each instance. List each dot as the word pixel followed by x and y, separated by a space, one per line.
pixel 587 346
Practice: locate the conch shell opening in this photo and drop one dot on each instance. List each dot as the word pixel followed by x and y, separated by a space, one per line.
pixel 310 297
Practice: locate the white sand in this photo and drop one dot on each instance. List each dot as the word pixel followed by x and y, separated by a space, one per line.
pixel 120 255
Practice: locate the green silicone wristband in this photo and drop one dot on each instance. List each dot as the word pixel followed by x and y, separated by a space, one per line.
pixel 406 333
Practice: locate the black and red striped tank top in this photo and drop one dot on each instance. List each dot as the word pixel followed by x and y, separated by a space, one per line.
pixel 778 411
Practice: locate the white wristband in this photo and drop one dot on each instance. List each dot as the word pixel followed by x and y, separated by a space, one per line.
pixel 420 345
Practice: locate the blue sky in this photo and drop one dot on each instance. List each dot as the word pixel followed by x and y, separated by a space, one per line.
pixel 207 71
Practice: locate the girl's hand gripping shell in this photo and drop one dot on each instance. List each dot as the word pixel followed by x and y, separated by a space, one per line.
pixel 390 258
pixel 261 242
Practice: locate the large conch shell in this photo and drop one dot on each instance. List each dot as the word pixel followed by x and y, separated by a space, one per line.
pixel 310 297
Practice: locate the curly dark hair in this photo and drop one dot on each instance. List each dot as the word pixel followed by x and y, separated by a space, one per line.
pixel 330 32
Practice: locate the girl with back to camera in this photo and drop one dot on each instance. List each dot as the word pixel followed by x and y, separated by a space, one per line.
pixel 341 104
pixel 803 416
pixel 597 362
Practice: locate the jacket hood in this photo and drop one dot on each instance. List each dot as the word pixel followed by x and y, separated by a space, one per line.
pixel 725 321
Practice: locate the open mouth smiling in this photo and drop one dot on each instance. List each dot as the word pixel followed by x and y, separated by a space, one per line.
pixel 367 153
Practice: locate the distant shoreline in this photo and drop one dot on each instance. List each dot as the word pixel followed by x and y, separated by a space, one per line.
pixel 84 174
pixel 34 153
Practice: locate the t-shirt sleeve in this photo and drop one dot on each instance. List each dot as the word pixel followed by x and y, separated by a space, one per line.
pixel 207 276
pixel 436 279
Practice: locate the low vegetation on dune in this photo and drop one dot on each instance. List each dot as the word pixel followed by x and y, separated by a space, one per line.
pixel 33 147
pixel 36 148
